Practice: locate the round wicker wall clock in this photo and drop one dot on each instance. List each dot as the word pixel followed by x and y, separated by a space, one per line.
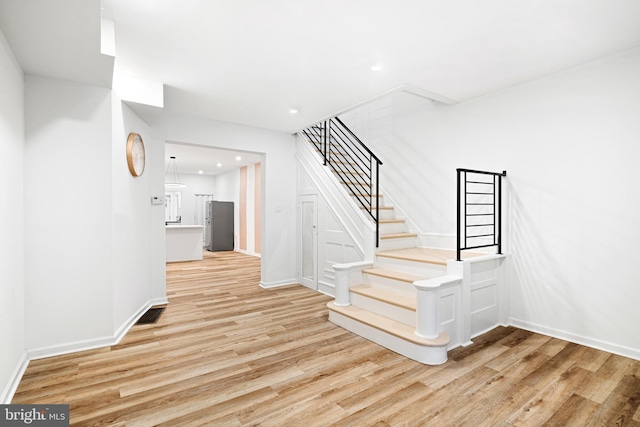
pixel 135 154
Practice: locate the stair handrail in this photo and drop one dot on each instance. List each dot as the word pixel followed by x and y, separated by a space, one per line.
pixel 486 202
pixel 360 167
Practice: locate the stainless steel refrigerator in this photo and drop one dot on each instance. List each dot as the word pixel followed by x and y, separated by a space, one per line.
pixel 220 226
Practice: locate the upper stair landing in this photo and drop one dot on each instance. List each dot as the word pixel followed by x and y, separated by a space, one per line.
pixel 425 255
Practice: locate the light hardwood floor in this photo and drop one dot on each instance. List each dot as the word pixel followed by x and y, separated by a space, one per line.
pixel 227 352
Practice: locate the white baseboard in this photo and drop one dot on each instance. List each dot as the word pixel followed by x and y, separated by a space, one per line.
pixel 159 301
pixel 288 282
pixel 91 344
pixel 40 353
pixel 242 251
pixel 14 380
pixel 620 350
pixel 72 347
pixel 327 288
pixel 124 328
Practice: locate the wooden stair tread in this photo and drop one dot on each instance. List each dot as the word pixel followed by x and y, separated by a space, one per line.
pixel 427 255
pixel 354 183
pixel 365 194
pixel 397 235
pixel 391 221
pixel 388 297
pixel 392 274
pixel 382 208
pixel 390 326
pixel 340 162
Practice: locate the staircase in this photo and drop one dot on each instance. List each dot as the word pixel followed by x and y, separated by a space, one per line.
pixel 416 301
pixel 379 300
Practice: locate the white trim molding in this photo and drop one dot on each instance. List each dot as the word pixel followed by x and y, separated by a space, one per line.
pixel 620 350
pixel 14 380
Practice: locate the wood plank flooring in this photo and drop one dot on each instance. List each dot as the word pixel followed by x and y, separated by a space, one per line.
pixel 229 353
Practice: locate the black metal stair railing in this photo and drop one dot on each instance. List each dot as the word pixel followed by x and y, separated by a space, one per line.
pixel 479 210
pixel 352 161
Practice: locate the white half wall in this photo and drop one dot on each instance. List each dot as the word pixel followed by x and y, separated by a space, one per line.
pixel 569 143
pixel 12 141
pixel 278 170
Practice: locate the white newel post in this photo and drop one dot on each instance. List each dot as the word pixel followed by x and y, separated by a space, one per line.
pixel 342 284
pixel 347 275
pixel 427 309
pixel 427 323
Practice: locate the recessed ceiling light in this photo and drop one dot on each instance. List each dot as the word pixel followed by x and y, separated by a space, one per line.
pixel 238 158
pixel 219 165
pixel 376 68
pixel 293 111
pixel 200 172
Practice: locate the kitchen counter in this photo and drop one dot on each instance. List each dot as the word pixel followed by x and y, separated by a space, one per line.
pixel 184 242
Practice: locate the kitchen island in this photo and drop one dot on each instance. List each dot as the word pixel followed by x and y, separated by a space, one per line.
pixel 184 242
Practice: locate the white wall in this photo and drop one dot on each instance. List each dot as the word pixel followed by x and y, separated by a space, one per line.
pixel 195 184
pixel 154 148
pixel 250 209
pixel 94 258
pixel 278 177
pixel 569 143
pixel 68 226
pixel 228 190
pixel 334 243
pixel 12 347
pixel 135 221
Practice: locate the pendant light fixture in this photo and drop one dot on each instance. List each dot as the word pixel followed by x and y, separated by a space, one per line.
pixel 171 176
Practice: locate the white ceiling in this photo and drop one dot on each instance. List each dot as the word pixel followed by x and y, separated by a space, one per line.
pixel 251 61
pixel 192 159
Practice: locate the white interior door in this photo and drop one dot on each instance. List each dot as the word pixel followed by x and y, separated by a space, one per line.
pixel 309 241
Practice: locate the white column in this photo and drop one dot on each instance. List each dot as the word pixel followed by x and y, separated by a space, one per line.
pixel 427 325
pixel 342 284
pixel 427 309
pixel 347 275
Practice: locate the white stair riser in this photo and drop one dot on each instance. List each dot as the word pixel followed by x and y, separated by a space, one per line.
pixel 374 202
pixel 422 269
pixel 338 157
pixel 392 285
pixel 397 243
pixel 386 213
pixel 427 355
pixel 392 227
pixel 354 183
pixel 399 314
